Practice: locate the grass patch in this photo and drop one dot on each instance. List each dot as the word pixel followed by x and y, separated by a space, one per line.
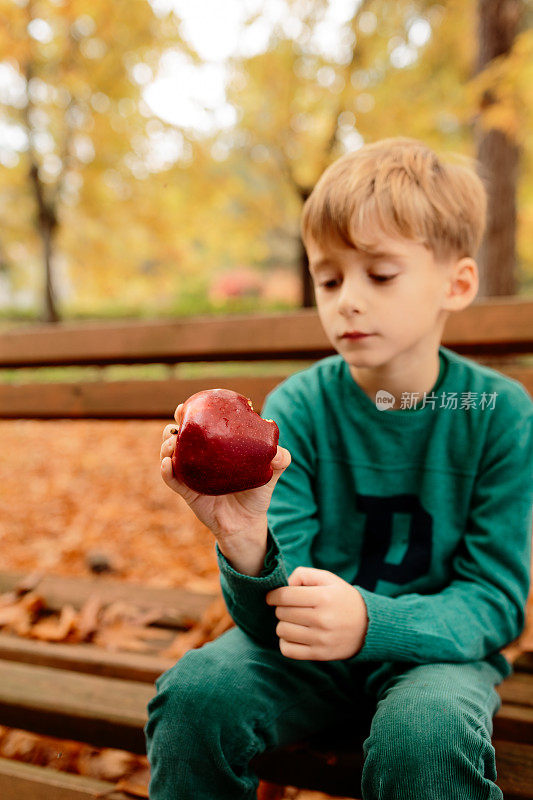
pixel 193 306
pixel 127 372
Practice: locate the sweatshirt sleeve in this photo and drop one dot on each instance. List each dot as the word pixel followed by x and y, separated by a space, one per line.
pixel 292 523
pixel 483 608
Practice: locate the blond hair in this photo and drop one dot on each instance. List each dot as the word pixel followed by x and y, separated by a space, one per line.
pixel 401 185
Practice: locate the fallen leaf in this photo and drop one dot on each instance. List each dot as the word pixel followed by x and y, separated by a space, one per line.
pixel 106 764
pixel 19 616
pixel 215 620
pixel 121 611
pixel 56 629
pixel 19 745
pixel 136 784
pixel 123 636
pixel 88 619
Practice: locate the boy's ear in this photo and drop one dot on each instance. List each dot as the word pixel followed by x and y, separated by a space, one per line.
pixel 462 284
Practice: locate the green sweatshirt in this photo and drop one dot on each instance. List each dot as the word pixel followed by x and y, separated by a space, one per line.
pixel 426 510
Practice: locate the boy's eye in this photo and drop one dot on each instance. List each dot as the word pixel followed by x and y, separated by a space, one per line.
pixel 377 278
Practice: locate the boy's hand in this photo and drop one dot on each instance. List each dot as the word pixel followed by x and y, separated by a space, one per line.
pixel 322 617
pixel 228 516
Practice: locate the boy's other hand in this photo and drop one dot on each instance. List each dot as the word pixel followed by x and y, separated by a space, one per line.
pixel 322 617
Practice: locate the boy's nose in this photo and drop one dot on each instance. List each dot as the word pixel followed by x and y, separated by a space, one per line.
pixel 351 297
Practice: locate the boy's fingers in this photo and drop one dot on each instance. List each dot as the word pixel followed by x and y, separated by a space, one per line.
pixel 177 413
pixel 169 430
pixel 166 469
pixel 282 459
pixel 167 448
pixel 168 476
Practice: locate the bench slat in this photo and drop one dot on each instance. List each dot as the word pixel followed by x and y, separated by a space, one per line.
pixel 86 658
pixel 490 324
pixel 518 689
pixel 524 662
pixel 30 782
pixel 514 723
pixel 146 399
pixel 179 607
pixel 143 399
pixel 514 765
pixel 105 712
pixel 203 338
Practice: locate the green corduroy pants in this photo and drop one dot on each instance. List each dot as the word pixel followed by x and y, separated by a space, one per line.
pixel 429 725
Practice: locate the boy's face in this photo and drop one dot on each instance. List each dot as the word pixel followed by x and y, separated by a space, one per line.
pixel 401 298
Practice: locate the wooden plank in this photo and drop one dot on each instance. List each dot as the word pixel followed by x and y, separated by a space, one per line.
pixel 514 723
pixel 30 782
pixel 122 399
pixel 201 338
pixel 494 324
pixel 87 658
pixel 105 712
pixel 178 607
pixel 524 662
pixel 514 766
pixel 489 324
pixel 517 689
pixel 145 399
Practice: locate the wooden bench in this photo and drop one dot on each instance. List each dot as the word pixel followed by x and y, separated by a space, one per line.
pixel 75 691
pixel 80 692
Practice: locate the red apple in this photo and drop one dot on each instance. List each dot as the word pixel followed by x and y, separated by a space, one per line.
pixel 223 445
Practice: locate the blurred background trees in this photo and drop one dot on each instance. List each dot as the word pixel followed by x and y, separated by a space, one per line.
pixel 113 204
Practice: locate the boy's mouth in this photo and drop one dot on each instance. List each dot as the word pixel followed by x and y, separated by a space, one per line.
pixel 355 335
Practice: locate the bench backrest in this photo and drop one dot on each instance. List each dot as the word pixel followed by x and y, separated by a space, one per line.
pixel 496 331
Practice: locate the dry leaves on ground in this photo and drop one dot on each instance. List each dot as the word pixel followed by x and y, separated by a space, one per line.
pixel 76 493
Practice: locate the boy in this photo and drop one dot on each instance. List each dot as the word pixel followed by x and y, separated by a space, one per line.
pixel 387 561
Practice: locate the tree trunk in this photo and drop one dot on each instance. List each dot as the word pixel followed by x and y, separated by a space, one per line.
pixel 308 292
pixel 498 25
pixel 46 225
pixel 50 307
pixel 497 253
